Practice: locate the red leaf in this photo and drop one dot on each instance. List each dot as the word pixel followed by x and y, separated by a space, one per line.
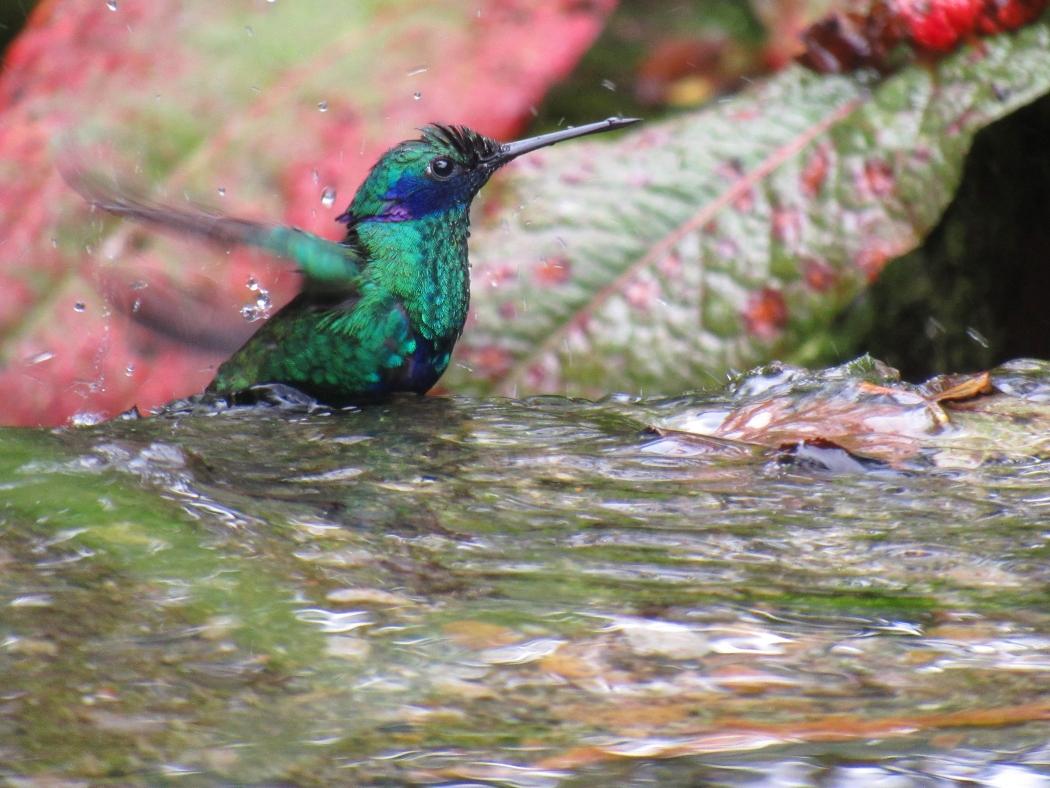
pixel 206 106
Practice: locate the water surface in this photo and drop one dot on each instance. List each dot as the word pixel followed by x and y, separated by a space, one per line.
pixel 531 592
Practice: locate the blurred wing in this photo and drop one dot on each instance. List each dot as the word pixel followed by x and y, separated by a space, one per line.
pixel 325 264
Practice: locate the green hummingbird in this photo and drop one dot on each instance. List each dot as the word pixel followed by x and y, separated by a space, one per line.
pixel 380 311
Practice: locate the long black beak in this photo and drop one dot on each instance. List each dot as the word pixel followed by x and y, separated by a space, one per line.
pixel 511 150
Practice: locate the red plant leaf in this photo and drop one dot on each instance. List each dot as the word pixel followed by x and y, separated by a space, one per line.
pixel 268 104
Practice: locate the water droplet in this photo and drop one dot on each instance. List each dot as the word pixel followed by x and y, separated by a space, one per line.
pixel 315 176
pixel 417 70
pixel 139 284
pixel 40 358
pixel 260 307
pixel 322 106
pixel 271 2
pixel 79 306
pixel 250 31
pixel 129 370
pixel 86 419
pixel 328 197
pixel 608 84
pixel 111 5
pixel 136 306
pixel 977 337
pixel 54 242
pixel 222 191
pixel 417 95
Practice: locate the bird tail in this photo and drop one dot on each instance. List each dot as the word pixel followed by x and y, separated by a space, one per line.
pixel 321 261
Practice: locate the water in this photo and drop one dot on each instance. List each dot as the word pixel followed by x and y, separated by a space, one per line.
pixel 532 592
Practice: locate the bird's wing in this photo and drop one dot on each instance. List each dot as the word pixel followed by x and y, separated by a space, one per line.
pixel 325 264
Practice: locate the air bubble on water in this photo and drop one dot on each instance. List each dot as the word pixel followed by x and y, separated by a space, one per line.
pixel 322 106
pixel 86 418
pixel 417 96
pixel 608 84
pixel 222 191
pixel 79 306
pixel 417 71
pixel 328 197
pixel 111 5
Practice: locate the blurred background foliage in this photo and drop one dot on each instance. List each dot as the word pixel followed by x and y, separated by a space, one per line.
pixel 657 58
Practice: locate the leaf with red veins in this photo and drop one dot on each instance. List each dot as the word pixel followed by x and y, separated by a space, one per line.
pixel 787 226
pixel 765 314
pixel 819 276
pixel 877 179
pixel 869 168
pixel 815 172
pixel 872 259
pixel 553 271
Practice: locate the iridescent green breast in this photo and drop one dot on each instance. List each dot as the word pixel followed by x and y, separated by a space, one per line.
pixel 396 333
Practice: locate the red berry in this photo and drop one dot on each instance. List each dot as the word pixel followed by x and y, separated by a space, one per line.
pixel 1000 15
pixel 938 25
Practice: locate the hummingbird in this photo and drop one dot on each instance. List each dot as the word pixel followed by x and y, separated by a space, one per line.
pixel 380 311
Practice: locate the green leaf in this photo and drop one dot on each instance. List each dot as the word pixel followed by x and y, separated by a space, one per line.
pixel 728 236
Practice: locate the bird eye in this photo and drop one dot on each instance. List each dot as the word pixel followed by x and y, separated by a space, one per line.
pixel 442 167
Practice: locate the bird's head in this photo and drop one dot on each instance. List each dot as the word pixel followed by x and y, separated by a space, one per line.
pixel 443 170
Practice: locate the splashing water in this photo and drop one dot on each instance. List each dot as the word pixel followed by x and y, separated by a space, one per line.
pixel 259 308
pixel 535 592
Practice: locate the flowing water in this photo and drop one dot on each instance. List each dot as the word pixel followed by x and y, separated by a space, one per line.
pixel 528 592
